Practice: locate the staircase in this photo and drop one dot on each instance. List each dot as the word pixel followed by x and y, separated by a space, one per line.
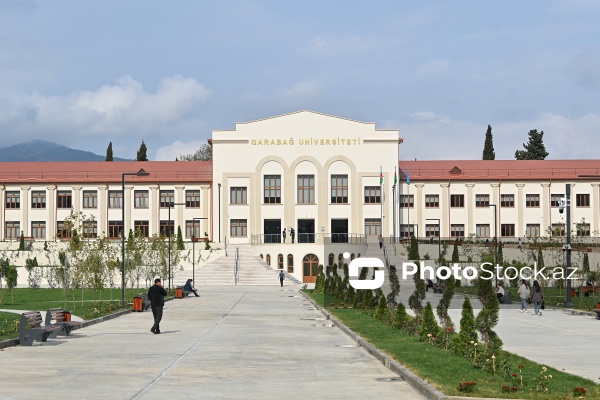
pixel 374 252
pixel 253 271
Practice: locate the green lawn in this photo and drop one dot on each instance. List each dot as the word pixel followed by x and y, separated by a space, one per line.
pixel 445 371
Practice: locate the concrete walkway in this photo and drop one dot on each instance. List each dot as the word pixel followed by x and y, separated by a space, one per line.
pixel 230 343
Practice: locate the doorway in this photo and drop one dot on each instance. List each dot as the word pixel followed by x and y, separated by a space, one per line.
pixel 272 230
pixel 306 231
pixel 339 231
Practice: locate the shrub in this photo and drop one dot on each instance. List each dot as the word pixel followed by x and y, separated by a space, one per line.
pixel 401 318
pixel 430 326
pixel 382 310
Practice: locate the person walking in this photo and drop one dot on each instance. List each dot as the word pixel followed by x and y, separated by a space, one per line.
pixel 524 295
pixel 283 235
pixel 292 234
pixel 537 297
pixel 156 295
pixel 281 277
pixel 380 241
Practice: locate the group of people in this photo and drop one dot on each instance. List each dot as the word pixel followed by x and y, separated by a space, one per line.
pixel 292 234
pixel 527 295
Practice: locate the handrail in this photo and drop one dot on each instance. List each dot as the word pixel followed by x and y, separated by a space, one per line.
pixel 236 266
pixel 225 242
pixel 385 256
pixel 325 238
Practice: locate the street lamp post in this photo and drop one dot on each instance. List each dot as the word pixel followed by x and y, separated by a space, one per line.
pixel 219 213
pixel 567 248
pixel 141 172
pixel 495 241
pixel 194 246
pixel 439 239
pixel 169 235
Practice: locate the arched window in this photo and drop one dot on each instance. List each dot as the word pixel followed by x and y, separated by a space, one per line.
pixel 280 261
pixel 331 259
pixel 290 263
pixel 310 266
pixel 269 260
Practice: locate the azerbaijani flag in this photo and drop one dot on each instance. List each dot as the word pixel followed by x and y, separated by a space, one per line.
pixel 395 177
pixel 380 176
pixel 408 176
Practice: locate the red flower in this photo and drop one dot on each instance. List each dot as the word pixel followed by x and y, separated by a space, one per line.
pixel 514 375
pixel 449 329
pixel 515 389
pixel 521 366
pixel 420 321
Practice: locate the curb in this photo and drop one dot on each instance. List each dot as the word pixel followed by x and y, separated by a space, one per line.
pixel 422 386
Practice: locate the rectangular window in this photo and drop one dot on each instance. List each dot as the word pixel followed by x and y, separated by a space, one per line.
pixel 457 200
pixel 115 199
pixel 61 230
pixel 339 189
pixel 63 199
pixel 372 194
pixel 407 230
pixel 239 228
pixel 555 199
pixel 38 229
pixel 457 230
pixel 432 230
pixel 482 230
pixel 13 199
pixel 143 227
pixel 532 230
pixel 90 230
pixel 238 195
pixel 90 199
pixel 583 229
pixel 306 189
pixel 193 228
pixel 482 200
pixel 38 199
pixel 272 191
pixel 507 200
pixel 558 229
pixel 166 227
pixel 406 201
pixel 141 199
pixel 507 230
pixel 192 199
pixel 372 226
pixel 582 200
pixel 532 200
pixel 13 229
pixel 432 201
pixel 114 229
pixel 166 197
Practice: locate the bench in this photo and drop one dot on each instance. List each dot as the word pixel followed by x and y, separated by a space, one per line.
pixel 586 290
pixel 438 288
pixel 58 315
pixel 597 311
pixel 30 329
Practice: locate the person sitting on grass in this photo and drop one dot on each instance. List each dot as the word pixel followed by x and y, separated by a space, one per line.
pixel 188 287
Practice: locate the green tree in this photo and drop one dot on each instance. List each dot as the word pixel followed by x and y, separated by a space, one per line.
pixel 415 301
pixel 34 273
pixel 22 242
pixel 401 317
pixel 487 318
pixel 430 326
pixel 141 154
pixel 204 153
pixel 382 310
pixel 413 253
pixel 461 344
pixel 444 304
pixel 109 152
pixel 455 256
pixel 11 280
pixel 488 147
pixel 394 287
pixel 180 245
pixel 534 149
pixel 500 254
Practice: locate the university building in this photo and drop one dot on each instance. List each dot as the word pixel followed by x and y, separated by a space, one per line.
pixel 329 179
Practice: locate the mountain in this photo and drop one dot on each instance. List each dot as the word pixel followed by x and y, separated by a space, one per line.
pixel 43 150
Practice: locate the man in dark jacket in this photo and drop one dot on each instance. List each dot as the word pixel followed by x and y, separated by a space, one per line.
pixel 156 295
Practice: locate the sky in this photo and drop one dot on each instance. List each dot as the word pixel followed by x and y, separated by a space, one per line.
pixel 85 73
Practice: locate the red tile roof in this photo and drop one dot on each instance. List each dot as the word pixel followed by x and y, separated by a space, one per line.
pixel 102 171
pixel 474 170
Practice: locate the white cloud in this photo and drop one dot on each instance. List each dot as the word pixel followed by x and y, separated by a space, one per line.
pixel 175 149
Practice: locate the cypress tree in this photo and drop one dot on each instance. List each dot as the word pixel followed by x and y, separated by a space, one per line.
pixel 413 254
pixel 534 149
pixel 462 342
pixel 22 242
pixel 401 317
pixel 180 245
pixel 141 154
pixel 382 309
pixel 487 318
pixel 455 256
pixel 488 147
pixel 430 326
pixel 109 152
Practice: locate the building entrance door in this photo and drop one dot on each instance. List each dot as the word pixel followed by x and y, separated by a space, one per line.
pixel 272 230
pixel 339 231
pixel 306 231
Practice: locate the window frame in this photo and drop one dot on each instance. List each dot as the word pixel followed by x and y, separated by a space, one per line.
pixel 89 196
pixel 339 189
pixel 272 189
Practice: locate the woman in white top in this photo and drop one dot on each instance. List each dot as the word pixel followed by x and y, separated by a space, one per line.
pixel 524 295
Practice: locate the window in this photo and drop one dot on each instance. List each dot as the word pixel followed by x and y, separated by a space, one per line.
pixel 306 189
pixel 38 199
pixel 482 230
pixel 507 230
pixel 532 200
pixel 407 230
pixel 290 263
pixel 507 200
pixel 482 200
pixel 432 201
pixel 141 199
pixel 167 228
pixel 143 227
pixel 457 230
pixel 272 184
pixel 13 199
pixel 193 228
pixel 192 198
pixel 457 200
pixel 339 189
pixel 269 260
pixel 406 201
pixel 555 199
pixel 432 230
pixel 90 199
pixel 582 200
pixel 167 197
pixel 558 229
pixel 331 259
pixel 13 229
pixel 115 199
pixel 239 228
pixel 238 195
pixel 372 226
pixel 38 229
pixel 61 230
pixel 90 229
pixel 63 199
pixel 372 194
pixel 114 229
pixel 583 229
pixel 310 265
pixel 532 230
pixel 280 261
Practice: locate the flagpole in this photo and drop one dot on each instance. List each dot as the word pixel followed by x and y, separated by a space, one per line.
pixel 394 210
pixel 382 198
